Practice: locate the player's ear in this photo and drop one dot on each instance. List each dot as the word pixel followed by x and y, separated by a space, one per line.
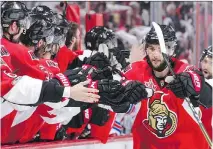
pixel 13 26
pixel 40 43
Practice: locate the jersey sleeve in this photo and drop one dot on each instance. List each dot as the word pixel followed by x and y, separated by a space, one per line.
pixel 132 70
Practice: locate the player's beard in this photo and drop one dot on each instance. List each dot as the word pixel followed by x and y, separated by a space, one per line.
pixel 75 47
pixel 162 66
pixel 40 50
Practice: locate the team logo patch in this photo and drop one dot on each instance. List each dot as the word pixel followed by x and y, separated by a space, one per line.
pixel 161 121
pixel 4 51
pixel 150 84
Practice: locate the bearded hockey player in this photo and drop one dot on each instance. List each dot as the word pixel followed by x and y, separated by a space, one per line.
pixel 165 121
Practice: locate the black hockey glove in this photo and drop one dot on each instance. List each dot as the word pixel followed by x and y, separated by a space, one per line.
pixel 119 56
pixel 110 90
pixel 187 84
pixel 135 91
pixel 132 93
pixel 99 116
pixel 100 74
pixel 98 60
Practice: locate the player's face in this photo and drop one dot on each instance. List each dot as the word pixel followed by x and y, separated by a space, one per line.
pixel 161 122
pixel 206 66
pixel 155 55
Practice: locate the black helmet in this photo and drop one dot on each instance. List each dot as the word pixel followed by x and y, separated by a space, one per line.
pixel 42 12
pixel 96 36
pixel 13 11
pixel 206 52
pixel 41 29
pixel 168 34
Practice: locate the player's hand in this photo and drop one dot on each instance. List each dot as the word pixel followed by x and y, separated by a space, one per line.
pixel 79 92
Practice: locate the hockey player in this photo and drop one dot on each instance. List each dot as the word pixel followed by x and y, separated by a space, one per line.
pixel 23 61
pixel 101 39
pixel 22 92
pixel 206 67
pixel 66 55
pixel 206 62
pixel 164 120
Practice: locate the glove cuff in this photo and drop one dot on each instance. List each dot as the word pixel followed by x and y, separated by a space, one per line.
pixel 64 81
pixel 93 84
pixel 196 80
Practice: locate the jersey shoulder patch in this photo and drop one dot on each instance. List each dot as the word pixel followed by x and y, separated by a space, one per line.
pixel 4 51
pixel 51 63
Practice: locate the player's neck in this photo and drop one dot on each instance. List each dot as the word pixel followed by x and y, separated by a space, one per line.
pixel 47 55
pixel 162 73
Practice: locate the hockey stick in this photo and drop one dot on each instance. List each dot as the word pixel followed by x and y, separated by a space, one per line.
pixel 163 50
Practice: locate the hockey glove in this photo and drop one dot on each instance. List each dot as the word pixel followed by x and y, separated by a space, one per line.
pixel 119 56
pixel 99 116
pixel 187 84
pixel 98 60
pixel 100 74
pixel 135 91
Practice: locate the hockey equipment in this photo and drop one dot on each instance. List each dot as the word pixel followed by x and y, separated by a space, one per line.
pixel 206 52
pixel 14 12
pixel 164 50
pixel 168 35
pixel 99 116
pixel 131 93
pixel 77 75
pixel 99 74
pixel 187 84
pixel 41 29
pixel 135 91
pixel 98 60
pixel 120 57
pixel 42 12
pixel 97 36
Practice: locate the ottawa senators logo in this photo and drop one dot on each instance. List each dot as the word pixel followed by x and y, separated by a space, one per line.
pixel 161 121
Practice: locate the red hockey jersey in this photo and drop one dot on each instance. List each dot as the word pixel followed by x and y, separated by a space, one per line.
pixel 163 121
